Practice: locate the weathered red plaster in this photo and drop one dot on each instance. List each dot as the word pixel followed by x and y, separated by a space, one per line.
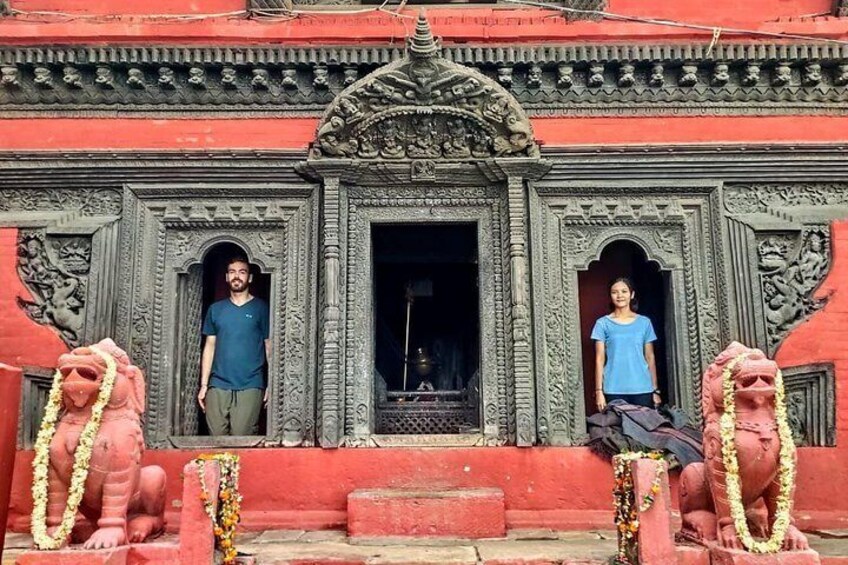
pixel 655 537
pixel 196 535
pixel 140 134
pixel 271 133
pixel 10 392
pixel 22 341
pixel 824 338
pixel 454 513
pixel 499 25
pixel 719 11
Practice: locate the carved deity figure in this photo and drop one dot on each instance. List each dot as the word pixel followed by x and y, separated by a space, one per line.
pixel 59 295
pixel 565 76
pixel 124 500
pixel 72 77
pixel 721 74
pixel 657 78
pixel 782 74
pixel 705 497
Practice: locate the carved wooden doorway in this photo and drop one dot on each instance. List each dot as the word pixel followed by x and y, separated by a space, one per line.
pixel 426 328
pixel 198 288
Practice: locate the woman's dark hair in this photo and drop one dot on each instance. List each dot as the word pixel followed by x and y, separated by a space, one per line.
pixel 634 302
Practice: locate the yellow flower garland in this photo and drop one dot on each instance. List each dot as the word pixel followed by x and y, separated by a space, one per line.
pixel 727 429
pixel 224 524
pixel 82 456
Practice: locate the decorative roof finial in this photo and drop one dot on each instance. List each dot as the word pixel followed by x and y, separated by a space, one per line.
pixel 422 45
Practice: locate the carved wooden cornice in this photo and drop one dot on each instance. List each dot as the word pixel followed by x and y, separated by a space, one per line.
pixel 273 7
pixel 546 79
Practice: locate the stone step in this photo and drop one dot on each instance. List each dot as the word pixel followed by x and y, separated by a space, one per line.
pixel 457 513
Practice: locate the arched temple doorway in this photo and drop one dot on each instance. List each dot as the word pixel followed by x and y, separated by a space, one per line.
pixel 622 258
pixel 214 267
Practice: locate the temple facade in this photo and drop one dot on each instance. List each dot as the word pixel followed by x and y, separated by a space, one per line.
pixel 433 206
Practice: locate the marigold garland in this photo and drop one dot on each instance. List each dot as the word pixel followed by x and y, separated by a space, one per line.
pixel 727 430
pixel 229 501
pixel 626 510
pixel 82 457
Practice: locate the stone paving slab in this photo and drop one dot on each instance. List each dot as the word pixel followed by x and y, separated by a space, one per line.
pixel 546 551
pixel 276 536
pixel 297 552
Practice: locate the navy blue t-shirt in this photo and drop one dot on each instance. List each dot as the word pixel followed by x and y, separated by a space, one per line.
pixel 240 333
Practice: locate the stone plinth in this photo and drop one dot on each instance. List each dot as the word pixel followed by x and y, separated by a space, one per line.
pixel 723 556
pixel 10 398
pixel 656 537
pixel 196 542
pixel 459 513
pixel 692 554
pixel 72 556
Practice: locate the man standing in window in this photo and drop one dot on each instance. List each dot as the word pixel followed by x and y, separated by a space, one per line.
pixel 237 345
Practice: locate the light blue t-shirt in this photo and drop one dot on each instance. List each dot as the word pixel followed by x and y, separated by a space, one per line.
pixel 626 370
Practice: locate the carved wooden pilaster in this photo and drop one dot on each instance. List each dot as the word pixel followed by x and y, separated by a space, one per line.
pixel 521 329
pixel 190 288
pixel 330 363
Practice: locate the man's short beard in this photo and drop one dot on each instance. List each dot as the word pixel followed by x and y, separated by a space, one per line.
pixel 240 288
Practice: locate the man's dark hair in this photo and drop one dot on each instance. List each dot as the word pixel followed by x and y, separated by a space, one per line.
pixel 237 259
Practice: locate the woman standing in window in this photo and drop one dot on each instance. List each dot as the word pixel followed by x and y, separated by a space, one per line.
pixel 624 352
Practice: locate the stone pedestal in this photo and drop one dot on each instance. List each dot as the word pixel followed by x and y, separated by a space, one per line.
pixel 197 540
pixel 76 556
pixel 458 513
pixel 196 544
pixel 10 399
pixel 656 537
pixel 723 556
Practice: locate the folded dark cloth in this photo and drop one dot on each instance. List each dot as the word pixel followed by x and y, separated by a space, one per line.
pixel 627 427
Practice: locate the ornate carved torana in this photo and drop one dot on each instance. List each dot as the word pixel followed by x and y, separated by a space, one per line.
pixel 424 107
pixel 791 267
pixel 545 79
pixel 425 140
pixel 65 236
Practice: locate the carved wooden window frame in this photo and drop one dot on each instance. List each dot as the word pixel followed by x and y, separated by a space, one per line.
pixel 366 206
pixel 571 223
pixel 276 226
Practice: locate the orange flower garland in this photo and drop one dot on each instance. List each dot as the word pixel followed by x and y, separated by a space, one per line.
pixel 626 511
pixel 229 502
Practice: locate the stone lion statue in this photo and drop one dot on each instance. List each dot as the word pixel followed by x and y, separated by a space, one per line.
pixel 703 487
pixel 124 500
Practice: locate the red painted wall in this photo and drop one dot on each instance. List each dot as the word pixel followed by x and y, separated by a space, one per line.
pixel 22 341
pixel 824 338
pixel 268 133
pixel 718 11
pixel 453 24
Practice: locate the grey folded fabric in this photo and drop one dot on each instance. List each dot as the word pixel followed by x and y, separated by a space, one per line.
pixel 627 427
